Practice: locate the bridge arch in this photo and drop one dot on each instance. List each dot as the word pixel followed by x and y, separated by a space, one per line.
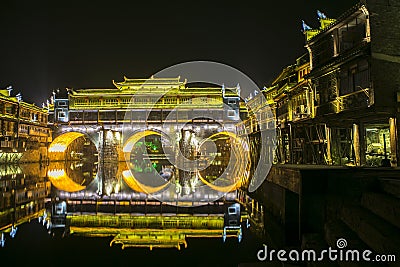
pixel 135 137
pixel 58 148
pixel 241 154
pixel 149 184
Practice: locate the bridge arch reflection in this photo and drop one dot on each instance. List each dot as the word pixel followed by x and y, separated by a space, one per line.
pixel 71 176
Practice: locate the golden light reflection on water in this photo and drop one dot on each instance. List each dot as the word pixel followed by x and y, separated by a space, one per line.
pixel 70 176
pixel 60 179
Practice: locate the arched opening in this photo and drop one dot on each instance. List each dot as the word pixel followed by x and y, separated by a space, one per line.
pixel 148 168
pixel 227 163
pixel 73 146
pixel 73 162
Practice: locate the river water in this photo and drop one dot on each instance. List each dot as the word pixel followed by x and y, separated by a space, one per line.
pixel 32 199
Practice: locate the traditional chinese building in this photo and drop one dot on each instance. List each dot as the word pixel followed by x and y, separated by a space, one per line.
pixel 141 104
pixel 339 105
pixel 160 95
pixel 282 107
pixel 24 132
pixel 354 74
pixel 293 103
pixel 153 115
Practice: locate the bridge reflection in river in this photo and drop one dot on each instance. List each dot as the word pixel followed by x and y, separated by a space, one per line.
pixel 71 201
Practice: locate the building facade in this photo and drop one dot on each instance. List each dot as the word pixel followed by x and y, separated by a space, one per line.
pixel 355 76
pixel 159 96
pixel 339 104
pixel 23 129
pixel 156 115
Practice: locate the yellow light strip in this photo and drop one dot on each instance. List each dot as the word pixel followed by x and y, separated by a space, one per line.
pixel 60 179
pixel 240 154
pixel 134 184
pixel 61 143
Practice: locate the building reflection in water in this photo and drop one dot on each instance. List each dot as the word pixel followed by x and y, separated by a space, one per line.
pixel 24 189
pixel 74 199
pixel 83 196
pixel 111 202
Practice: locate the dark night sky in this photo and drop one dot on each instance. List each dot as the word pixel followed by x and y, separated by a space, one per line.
pixel 45 46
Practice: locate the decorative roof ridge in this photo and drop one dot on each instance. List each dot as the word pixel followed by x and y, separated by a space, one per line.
pixel 284 72
pixel 153 78
pixel 344 15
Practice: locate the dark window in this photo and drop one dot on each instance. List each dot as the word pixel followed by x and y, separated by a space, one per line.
pixel 107 115
pixel 231 211
pixel 62 103
pixel 322 51
pixel 90 116
pixel 232 222
pixel 354 78
pixel 352 34
pixel 231 113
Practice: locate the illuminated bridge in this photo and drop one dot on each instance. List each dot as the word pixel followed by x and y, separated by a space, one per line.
pixel 176 139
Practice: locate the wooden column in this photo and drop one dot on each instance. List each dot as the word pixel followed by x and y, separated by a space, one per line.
pixel 356 144
pixel 361 130
pixel 393 141
pixel 328 145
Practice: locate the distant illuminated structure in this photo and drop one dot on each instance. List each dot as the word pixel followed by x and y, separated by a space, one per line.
pixel 23 127
pixel 99 116
pixel 141 103
pixel 93 106
pixel 289 99
pixel 150 109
